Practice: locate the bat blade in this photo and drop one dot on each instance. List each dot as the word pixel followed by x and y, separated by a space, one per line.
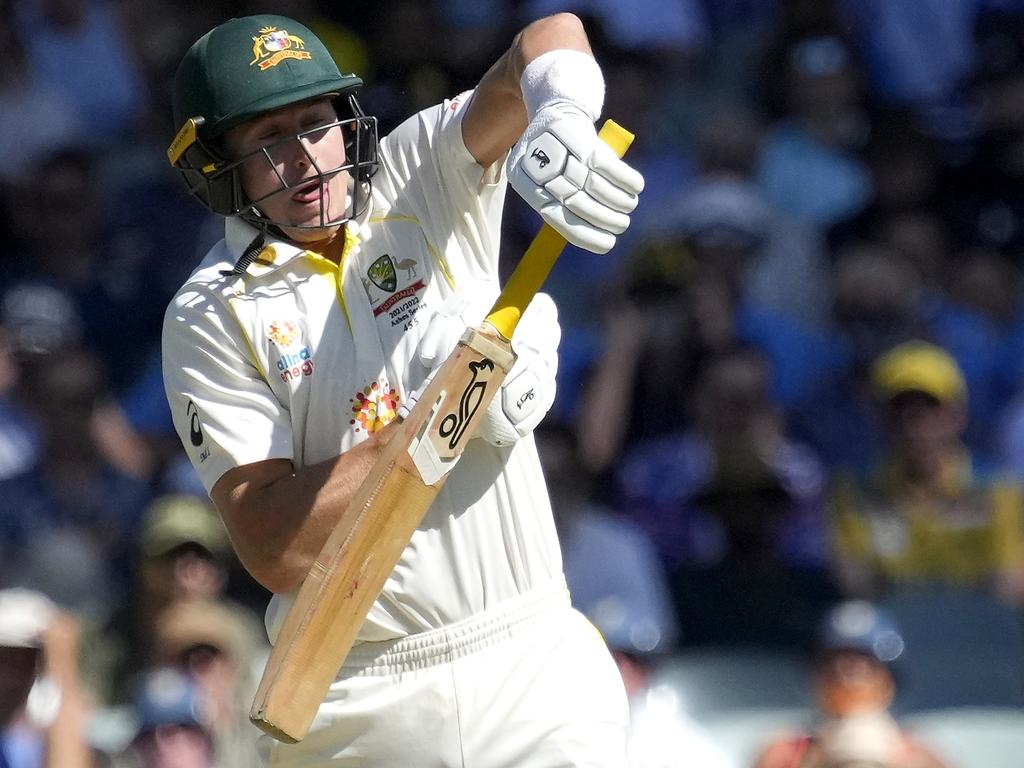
pixel 366 544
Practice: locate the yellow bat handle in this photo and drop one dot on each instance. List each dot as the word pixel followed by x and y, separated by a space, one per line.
pixel 540 257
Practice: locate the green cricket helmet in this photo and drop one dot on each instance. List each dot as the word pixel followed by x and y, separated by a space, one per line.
pixel 246 67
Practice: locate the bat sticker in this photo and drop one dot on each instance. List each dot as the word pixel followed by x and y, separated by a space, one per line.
pixel 454 424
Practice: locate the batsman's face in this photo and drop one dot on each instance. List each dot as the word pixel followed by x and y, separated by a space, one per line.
pixel 292 168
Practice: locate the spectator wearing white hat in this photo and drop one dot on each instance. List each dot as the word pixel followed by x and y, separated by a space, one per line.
pixel 43 712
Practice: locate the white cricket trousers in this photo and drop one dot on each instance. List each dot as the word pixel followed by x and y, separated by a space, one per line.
pixel 528 684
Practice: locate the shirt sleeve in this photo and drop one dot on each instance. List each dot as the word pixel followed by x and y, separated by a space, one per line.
pixel 435 178
pixel 223 409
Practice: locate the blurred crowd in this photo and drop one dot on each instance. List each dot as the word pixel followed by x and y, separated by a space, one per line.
pixel 798 381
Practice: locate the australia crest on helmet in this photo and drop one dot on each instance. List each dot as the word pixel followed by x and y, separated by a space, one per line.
pixel 272 46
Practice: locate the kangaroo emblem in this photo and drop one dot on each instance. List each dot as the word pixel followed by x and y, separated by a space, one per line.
pixel 409 265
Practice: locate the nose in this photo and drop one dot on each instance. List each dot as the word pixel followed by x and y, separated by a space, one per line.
pixel 296 153
pixel 304 152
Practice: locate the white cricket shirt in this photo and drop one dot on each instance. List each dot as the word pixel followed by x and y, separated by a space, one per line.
pixel 300 359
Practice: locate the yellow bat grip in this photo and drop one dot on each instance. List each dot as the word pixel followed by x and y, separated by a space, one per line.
pixel 540 257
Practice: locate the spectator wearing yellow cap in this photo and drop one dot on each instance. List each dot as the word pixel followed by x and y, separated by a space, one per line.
pixel 927 515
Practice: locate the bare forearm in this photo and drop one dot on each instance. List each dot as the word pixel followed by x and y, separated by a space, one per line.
pixel 279 517
pixel 497 116
pixel 66 744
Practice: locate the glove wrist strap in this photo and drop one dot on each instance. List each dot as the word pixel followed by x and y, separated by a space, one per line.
pixel 566 76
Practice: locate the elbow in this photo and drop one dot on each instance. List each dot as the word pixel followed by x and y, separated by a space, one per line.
pixel 262 530
pixel 281 578
pixel 563 22
pixel 275 568
pixel 562 30
pixel 273 561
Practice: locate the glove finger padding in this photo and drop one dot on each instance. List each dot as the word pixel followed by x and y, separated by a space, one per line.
pixel 528 391
pixel 575 180
pixel 610 166
pixel 576 230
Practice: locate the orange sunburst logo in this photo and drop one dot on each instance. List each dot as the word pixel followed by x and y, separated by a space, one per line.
pixel 374 407
pixel 284 333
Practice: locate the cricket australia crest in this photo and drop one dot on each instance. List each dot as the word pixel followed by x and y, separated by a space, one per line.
pixel 382 274
pixel 272 46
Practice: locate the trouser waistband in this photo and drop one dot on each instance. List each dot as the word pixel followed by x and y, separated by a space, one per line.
pixel 425 649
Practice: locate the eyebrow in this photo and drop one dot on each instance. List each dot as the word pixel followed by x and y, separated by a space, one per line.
pixel 305 111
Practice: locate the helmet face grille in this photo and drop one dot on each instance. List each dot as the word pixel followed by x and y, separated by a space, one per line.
pixel 216 182
pixel 360 163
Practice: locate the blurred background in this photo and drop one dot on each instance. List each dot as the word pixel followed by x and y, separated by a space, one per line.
pixel 795 386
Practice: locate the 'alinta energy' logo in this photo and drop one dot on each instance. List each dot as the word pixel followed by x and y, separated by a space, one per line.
pixel 295 362
pixel 374 407
pixel 273 45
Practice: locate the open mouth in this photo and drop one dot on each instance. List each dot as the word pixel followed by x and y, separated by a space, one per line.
pixel 310 192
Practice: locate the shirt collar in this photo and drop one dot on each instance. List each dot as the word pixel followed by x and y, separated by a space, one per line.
pixel 276 252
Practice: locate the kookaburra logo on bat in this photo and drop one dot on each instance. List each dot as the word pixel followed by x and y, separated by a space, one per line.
pixel 453 426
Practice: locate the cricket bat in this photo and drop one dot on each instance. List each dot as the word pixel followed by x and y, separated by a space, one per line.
pixel 366 544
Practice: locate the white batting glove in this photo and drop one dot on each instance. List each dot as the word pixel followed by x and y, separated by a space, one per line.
pixel 573 179
pixel 528 391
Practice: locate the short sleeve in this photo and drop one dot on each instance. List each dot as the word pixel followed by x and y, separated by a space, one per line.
pixel 223 409
pixel 435 178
